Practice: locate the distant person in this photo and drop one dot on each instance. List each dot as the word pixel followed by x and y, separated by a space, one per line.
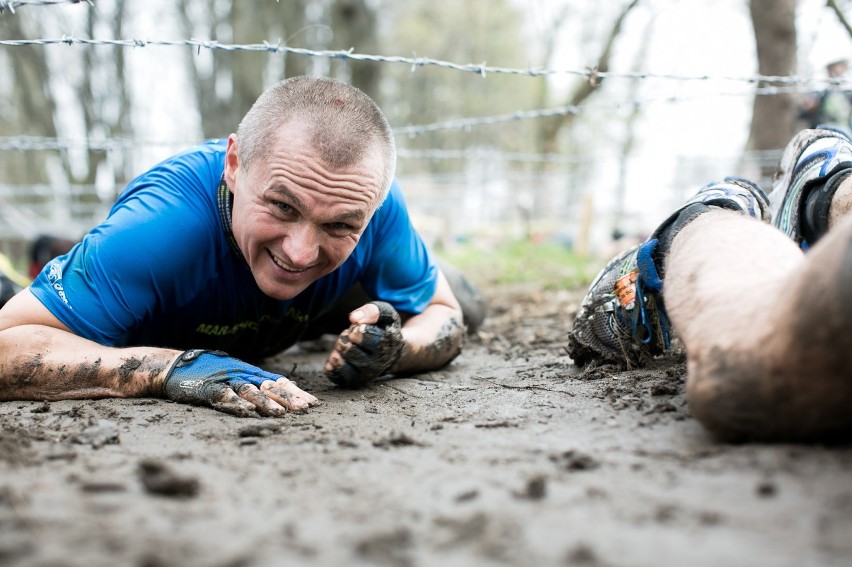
pixel 833 105
pixel 239 247
pixel 45 248
pixel 767 328
pixel 11 282
pixel 41 251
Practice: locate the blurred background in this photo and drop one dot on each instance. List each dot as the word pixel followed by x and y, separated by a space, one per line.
pixel 531 133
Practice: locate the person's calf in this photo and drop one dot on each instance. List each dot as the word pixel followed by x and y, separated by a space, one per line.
pixel 786 377
pixel 729 394
pixel 740 396
pixel 826 204
pixel 841 201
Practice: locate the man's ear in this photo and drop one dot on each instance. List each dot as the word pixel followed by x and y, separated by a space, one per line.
pixel 232 162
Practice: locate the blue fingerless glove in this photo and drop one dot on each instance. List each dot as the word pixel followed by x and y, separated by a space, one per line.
pixel 202 376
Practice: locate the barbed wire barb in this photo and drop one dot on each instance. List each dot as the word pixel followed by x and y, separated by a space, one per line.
pixel 10 4
pixel 412 131
pixel 481 69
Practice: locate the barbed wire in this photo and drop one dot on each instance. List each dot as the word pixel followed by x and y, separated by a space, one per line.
pixel 46 143
pixel 10 4
pixel 485 154
pixel 64 144
pixel 469 123
pixel 38 143
pixel 591 74
pixel 488 155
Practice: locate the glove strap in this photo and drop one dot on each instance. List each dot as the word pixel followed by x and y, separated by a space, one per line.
pixel 187 357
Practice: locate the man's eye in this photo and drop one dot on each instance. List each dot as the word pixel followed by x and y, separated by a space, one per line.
pixel 340 227
pixel 284 207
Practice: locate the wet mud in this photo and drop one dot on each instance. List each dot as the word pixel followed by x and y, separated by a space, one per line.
pixel 509 456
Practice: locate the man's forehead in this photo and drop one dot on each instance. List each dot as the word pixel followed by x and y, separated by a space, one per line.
pixel 342 204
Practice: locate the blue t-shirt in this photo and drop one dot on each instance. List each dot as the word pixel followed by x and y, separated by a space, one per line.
pixel 160 270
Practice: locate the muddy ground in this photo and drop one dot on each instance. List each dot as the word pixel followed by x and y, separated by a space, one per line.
pixel 508 456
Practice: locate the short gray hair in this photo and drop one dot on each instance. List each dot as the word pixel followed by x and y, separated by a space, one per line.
pixel 345 123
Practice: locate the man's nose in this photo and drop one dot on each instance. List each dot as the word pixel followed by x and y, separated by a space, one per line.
pixel 301 245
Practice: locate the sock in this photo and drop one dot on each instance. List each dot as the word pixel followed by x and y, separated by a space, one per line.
pixel 814 218
pixel 670 228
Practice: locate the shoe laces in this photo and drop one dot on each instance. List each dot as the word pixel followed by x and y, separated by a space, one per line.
pixel 642 314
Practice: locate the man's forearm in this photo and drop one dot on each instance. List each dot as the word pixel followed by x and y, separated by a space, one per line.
pixel 432 339
pixel 43 363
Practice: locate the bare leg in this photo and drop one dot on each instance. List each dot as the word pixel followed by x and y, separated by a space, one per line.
pixel 768 331
pixel 841 204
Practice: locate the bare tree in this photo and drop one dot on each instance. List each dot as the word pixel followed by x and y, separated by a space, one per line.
pixel 30 104
pixel 844 21
pixel 226 83
pixel 474 31
pixel 355 25
pixel 106 105
pixel 549 129
pixel 100 109
pixel 773 117
pixel 630 130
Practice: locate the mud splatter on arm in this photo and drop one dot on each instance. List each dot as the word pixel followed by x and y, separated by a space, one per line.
pixel 432 340
pixel 43 363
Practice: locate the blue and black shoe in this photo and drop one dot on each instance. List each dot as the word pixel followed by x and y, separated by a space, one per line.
pixel 622 319
pixel 812 167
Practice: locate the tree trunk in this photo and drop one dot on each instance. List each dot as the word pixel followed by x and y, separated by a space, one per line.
pixel 773 118
pixel 226 89
pixel 31 103
pixel 354 24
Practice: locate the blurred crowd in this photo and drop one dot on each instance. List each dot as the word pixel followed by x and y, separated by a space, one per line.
pixel 831 106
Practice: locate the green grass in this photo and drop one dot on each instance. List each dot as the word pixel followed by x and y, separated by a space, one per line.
pixel 548 264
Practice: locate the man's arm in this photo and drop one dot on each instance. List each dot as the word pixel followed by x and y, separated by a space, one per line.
pixel 41 359
pixel 429 340
pixel 432 338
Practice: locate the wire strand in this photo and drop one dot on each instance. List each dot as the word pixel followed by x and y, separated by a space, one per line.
pixel 481 69
pixel 38 143
pixel 10 4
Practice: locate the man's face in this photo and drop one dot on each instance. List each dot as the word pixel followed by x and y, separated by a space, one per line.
pixel 294 219
pixel 837 69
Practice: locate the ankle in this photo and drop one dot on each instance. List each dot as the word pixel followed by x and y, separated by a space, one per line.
pixel 825 204
pixel 841 202
pixel 670 228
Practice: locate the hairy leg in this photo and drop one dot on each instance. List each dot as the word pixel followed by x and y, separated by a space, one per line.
pixel 841 203
pixel 767 330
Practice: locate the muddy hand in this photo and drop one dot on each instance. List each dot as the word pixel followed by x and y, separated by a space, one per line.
pixel 367 349
pixel 207 377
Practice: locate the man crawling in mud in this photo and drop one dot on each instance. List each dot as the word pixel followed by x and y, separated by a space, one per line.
pixel 241 247
pixel 767 329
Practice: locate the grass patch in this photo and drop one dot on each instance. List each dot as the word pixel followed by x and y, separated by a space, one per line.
pixel 549 264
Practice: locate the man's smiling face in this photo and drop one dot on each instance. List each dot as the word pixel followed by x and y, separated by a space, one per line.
pixel 295 219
